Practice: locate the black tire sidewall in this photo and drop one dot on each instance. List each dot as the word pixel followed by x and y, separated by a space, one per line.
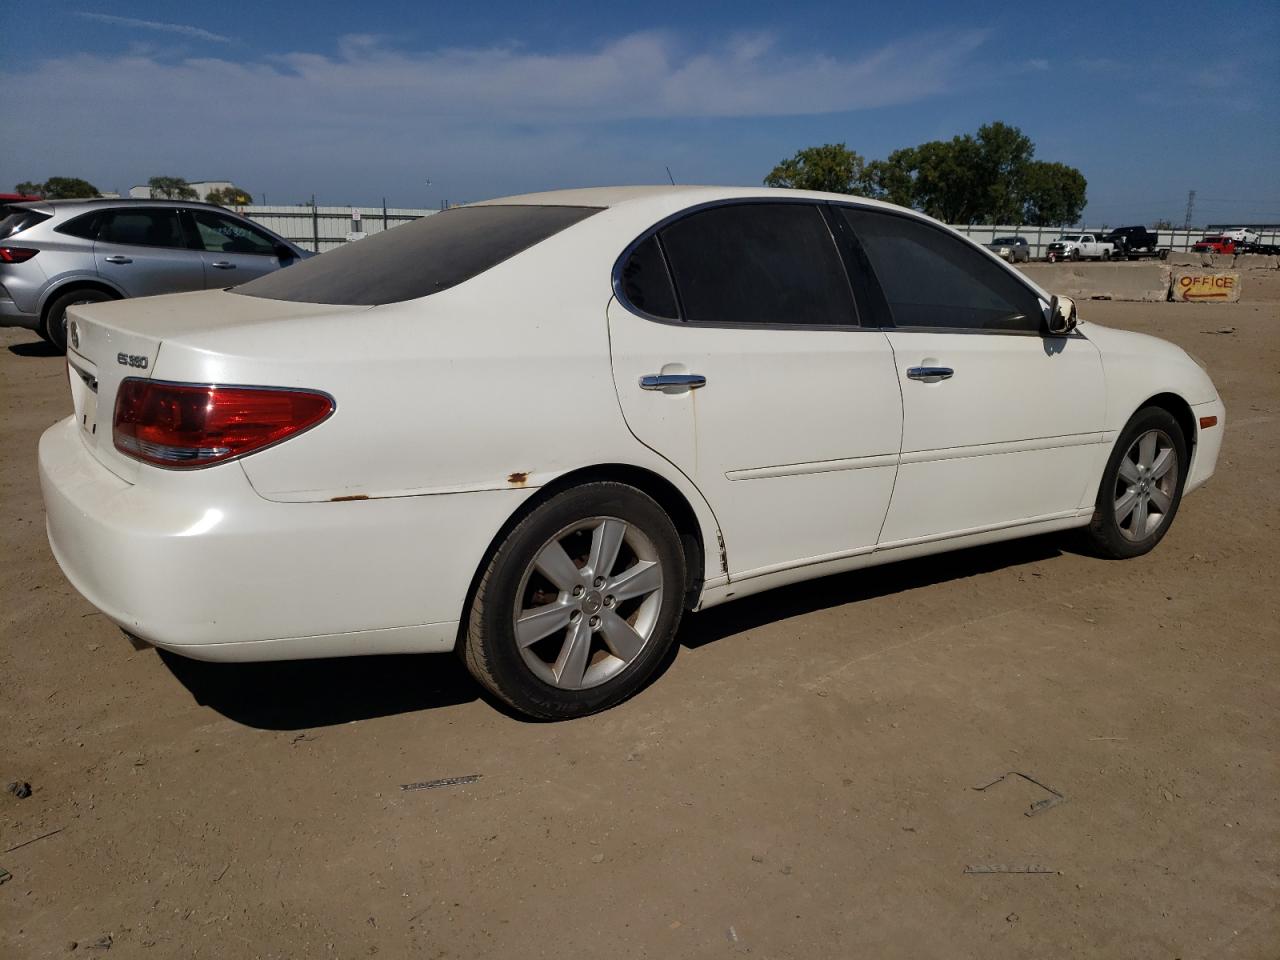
pixel 493 627
pixel 1104 530
pixel 55 327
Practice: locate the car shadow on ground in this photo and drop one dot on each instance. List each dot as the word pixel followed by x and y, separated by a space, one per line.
pixel 35 348
pixel 305 694
pixel 302 694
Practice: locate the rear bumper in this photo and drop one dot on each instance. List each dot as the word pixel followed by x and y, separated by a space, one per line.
pixel 203 566
pixel 11 315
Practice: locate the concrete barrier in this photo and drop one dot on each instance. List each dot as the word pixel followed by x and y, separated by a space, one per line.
pixel 1197 285
pixel 1139 281
pixel 1257 261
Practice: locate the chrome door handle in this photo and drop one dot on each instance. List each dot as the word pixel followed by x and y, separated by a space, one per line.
pixel 930 374
pixel 660 381
pixel 117 258
pixel 223 265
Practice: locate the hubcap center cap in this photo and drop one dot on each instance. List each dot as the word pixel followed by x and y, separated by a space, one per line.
pixel 592 602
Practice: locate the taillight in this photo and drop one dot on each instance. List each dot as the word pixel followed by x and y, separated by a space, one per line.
pixel 194 425
pixel 16 254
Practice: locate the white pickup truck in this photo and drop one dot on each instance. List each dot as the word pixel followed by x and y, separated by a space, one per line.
pixel 1079 246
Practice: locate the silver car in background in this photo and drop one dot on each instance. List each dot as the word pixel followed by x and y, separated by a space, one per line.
pixel 56 253
pixel 1013 249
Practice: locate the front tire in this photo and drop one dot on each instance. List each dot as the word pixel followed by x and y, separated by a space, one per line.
pixel 579 604
pixel 1141 487
pixel 54 328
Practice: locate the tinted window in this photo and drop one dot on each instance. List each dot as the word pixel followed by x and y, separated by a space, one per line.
pixel 932 279
pixel 419 258
pixel 18 220
pixel 219 233
pixel 143 228
pixel 646 283
pixel 758 263
pixel 86 227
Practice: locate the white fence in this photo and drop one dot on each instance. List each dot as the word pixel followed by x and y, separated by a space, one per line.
pixel 323 228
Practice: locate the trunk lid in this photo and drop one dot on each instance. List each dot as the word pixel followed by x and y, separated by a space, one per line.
pixel 109 342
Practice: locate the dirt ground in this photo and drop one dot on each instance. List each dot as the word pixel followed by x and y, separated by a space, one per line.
pixel 799 783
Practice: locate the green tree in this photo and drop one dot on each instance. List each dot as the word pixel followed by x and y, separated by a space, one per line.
pixel 832 168
pixel 59 188
pixel 892 179
pixel 948 181
pixel 229 197
pixel 1004 153
pixel 1053 194
pixel 171 188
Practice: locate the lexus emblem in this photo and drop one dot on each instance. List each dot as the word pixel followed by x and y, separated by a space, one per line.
pixel 75 334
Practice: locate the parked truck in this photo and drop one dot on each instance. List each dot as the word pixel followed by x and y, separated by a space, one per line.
pixel 1079 246
pixel 1134 243
pixel 1231 243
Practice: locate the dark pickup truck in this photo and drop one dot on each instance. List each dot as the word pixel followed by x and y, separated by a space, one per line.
pixel 1134 242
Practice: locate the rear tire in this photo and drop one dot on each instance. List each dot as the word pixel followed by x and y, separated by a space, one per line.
pixel 1141 486
pixel 579 604
pixel 54 328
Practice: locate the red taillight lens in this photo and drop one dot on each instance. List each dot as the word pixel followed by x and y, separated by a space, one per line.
pixel 194 425
pixel 16 254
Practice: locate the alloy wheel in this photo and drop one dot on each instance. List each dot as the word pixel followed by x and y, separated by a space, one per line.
pixel 1146 483
pixel 588 603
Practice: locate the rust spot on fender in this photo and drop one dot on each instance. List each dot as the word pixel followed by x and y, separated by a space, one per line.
pixel 518 479
pixel 353 496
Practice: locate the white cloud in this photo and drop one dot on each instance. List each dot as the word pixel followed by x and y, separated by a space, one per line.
pixel 181 28
pixel 306 117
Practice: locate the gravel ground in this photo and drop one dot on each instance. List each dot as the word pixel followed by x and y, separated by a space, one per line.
pixel 799 783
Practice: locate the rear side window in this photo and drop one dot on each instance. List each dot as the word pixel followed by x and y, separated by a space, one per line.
pixel 419 258
pixel 142 228
pixel 932 279
pixel 646 283
pixel 86 227
pixel 758 263
pixel 19 220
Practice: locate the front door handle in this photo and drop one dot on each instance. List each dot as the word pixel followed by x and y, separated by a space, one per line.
pixel 223 265
pixel 660 381
pixel 117 258
pixel 930 374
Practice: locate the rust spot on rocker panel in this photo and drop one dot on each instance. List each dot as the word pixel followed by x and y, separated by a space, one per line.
pixel 353 496
pixel 518 479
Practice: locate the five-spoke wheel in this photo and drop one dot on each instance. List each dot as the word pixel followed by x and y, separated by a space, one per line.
pixel 579 603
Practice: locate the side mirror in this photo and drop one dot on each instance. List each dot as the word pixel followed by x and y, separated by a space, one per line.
pixel 1062 316
pixel 284 253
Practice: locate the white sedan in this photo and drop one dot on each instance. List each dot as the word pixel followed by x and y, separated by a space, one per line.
pixel 536 430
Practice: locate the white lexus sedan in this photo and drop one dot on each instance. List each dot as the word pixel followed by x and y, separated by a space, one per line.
pixel 536 430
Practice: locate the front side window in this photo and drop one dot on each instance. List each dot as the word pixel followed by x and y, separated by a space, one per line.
pixel 932 279
pixel 142 228
pixel 758 263
pixel 219 233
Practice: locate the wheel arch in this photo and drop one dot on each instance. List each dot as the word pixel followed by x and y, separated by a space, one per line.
pixel 1179 409
pixel 55 291
pixel 663 491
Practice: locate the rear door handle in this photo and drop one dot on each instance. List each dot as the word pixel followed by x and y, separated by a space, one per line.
pixel 117 258
pixel 929 374
pixel 223 265
pixel 660 381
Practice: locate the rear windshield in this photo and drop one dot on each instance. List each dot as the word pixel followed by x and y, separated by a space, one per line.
pixel 16 220
pixel 420 258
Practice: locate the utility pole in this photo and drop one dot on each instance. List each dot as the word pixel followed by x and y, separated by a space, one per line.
pixel 1191 206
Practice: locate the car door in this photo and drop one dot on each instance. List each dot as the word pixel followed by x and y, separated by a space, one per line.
pixel 232 249
pixel 737 355
pixel 143 251
pixel 1001 422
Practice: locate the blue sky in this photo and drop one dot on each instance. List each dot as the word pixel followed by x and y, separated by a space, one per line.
pixel 356 101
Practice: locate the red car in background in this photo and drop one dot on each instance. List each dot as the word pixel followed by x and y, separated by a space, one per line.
pixel 1215 244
